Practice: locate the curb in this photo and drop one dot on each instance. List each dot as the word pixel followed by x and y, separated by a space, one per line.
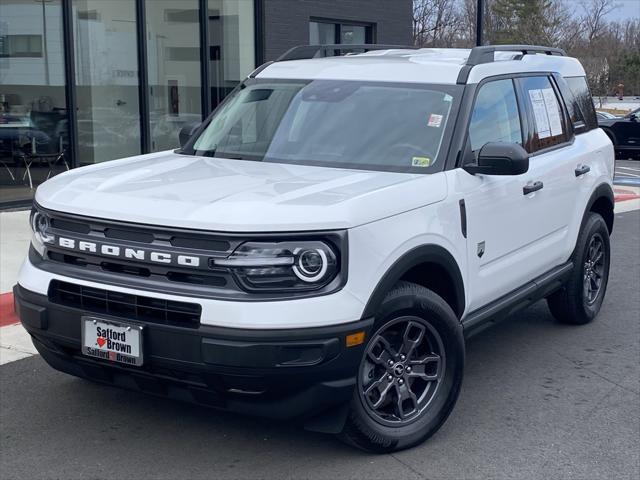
pixel 624 194
pixel 7 313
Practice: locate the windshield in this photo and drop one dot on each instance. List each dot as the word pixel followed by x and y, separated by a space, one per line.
pixel 347 124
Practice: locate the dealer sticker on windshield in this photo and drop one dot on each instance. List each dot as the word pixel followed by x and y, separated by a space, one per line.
pixel 435 120
pixel 420 162
pixel 113 341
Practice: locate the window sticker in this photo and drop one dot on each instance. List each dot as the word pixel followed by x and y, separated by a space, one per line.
pixel 420 162
pixel 553 111
pixel 546 112
pixel 435 120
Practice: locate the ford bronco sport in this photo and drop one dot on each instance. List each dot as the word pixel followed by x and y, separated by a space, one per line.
pixel 320 247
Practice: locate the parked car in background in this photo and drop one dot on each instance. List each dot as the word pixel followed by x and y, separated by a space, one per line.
pixel 624 132
pixel 602 115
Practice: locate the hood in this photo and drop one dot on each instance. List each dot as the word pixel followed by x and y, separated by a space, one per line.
pixel 170 189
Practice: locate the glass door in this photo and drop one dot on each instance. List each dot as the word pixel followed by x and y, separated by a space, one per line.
pixel 173 59
pixel 231 45
pixel 34 122
pixel 106 63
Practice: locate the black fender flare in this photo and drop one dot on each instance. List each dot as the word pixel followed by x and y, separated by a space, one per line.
pixel 603 190
pixel 610 133
pixel 416 256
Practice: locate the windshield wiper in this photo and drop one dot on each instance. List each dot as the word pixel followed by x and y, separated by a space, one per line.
pixel 212 153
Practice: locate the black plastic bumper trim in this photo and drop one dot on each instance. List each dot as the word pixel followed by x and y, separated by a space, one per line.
pixel 275 373
pixel 31 315
pixel 518 299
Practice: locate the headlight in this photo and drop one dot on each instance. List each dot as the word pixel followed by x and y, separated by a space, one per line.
pixel 41 226
pixel 283 266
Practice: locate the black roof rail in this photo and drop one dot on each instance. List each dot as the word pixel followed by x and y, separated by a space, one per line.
pixel 303 52
pixel 486 54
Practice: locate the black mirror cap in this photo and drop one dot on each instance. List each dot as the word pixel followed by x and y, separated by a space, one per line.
pixel 498 158
pixel 579 127
pixel 186 132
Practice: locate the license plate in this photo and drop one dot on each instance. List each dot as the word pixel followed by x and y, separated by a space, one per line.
pixel 111 340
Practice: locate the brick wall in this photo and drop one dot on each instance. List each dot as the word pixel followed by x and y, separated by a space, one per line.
pixel 287 21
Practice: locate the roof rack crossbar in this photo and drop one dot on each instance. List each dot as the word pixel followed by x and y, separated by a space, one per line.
pixel 485 53
pixel 303 52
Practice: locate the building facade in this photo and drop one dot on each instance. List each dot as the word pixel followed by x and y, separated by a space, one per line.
pixel 87 81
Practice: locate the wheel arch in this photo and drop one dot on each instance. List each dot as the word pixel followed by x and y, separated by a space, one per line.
pixel 416 265
pixel 602 202
pixel 610 133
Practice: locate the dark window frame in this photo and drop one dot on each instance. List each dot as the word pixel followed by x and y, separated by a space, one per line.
pixel 458 154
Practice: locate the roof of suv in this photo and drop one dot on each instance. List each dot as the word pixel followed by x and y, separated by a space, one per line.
pixel 424 65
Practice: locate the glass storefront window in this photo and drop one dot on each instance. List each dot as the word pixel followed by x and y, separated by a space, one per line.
pixel 321 33
pixel 107 98
pixel 353 34
pixel 104 43
pixel 327 32
pixel 231 45
pixel 173 59
pixel 33 117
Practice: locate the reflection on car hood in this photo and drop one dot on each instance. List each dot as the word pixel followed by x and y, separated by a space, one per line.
pixel 232 195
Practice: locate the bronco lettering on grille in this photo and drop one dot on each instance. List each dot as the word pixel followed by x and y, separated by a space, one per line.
pixel 128 253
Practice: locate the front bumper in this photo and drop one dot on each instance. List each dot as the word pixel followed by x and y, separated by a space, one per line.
pixel 296 373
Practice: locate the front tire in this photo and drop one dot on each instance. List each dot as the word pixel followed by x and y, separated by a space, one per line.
pixel 411 373
pixel 580 299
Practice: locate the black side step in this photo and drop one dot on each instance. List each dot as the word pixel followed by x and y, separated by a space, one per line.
pixel 518 299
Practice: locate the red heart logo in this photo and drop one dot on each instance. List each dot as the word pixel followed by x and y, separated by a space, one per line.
pixel 101 341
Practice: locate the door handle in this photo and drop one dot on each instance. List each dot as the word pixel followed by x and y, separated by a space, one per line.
pixel 532 187
pixel 582 169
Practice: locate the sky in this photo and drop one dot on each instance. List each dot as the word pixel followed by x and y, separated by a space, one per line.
pixel 624 8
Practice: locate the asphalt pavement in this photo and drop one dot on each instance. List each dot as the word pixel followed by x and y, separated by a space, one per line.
pixel 539 400
pixel 627 172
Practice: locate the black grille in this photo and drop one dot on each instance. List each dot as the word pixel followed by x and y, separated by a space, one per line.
pixel 133 307
pixel 176 241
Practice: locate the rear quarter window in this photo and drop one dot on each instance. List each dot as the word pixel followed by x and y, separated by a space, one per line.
pixel 580 103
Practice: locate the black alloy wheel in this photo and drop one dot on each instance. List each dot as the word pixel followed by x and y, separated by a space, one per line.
pixel 410 373
pixel 593 269
pixel 402 370
pixel 579 300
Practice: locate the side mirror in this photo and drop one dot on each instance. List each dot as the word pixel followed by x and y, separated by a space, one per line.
pixel 633 117
pixel 579 127
pixel 497 158
pixel 187 131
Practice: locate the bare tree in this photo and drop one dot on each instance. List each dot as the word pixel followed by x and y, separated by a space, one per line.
pixel 594 18
pixel 609 51
pixel 435 23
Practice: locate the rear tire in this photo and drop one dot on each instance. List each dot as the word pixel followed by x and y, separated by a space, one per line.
pixel 411 372
pixel 580 299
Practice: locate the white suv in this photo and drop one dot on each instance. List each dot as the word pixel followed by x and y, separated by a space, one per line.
pixel 321 246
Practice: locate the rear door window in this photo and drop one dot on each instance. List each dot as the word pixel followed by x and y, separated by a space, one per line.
pixel 546 116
